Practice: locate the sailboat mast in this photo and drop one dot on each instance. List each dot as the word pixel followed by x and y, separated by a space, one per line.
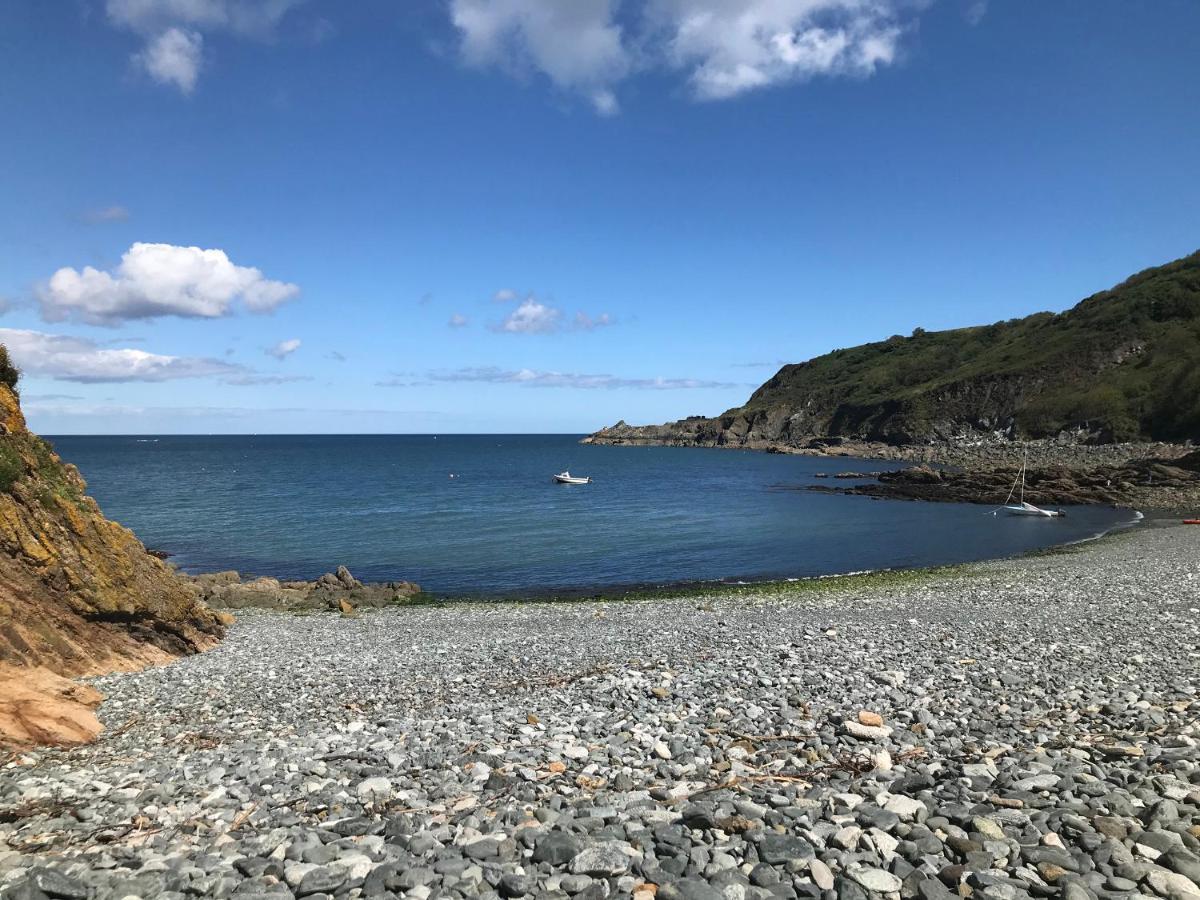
pixel 1024 464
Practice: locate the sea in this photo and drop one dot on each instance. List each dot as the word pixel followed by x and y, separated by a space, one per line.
pixel 479 515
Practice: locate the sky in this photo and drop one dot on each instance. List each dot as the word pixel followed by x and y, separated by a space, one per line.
pixel 439 216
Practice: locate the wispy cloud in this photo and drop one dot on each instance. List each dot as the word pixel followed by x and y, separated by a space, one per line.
pixel 284 349
pixel 173 31
pixel 723 48
pixel 458 320
pixel 550 379
pixel 336 356
pixel 976 11
pixel 253 379
pixel 155 280
pixel 758 365
pixel 74 359
pixel 77 359
pixel 102 215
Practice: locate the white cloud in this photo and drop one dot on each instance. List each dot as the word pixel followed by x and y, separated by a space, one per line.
pixel 76 359
pixel 156 280
pixel 576 44
pixel 173 57
pixel 976 10
pixel 504 295
pixel 284 349
pixel 725 47
pixel 174 30
pixel 537 378
pixel 458 320
pixel 254 18
pixel 732 46
pixel 532 316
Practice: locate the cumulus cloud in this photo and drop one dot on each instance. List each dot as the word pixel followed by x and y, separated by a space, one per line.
pixel 732 46
pixel 458 320
pixel 538 378
pixel 284 349
pixel 174 31
pixel 76 359
pixel 115 213
pixel 576 44
pixel 723 47
pixel 173 57
pixel 156 280
pixel 532 316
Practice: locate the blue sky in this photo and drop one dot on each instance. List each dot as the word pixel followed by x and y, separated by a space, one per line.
pixel 521 215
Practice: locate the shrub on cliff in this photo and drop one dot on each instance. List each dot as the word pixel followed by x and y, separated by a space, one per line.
pixel 9 373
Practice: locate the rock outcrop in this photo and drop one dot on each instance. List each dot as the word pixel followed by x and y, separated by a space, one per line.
pixel 79 594
pixel 336 591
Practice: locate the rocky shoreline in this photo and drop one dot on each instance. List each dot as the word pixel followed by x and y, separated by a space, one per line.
pixel 1157 475
pixel 974 451
pixel 1159 484
pixel 1011 730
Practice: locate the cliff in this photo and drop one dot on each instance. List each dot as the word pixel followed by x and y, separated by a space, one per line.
pixel 1119 366
pixel 79 594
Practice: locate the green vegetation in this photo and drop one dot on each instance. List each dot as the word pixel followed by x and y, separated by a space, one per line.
pixel 1123 364
pixel 9 373
pixel 12 467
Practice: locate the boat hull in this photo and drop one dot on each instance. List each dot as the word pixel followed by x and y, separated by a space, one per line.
pixel 561 479
pixel 1033 512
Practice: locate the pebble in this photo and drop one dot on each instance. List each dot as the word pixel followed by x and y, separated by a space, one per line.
pixel 1016 730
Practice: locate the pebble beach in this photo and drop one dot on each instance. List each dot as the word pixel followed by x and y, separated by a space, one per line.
pixel 1025 728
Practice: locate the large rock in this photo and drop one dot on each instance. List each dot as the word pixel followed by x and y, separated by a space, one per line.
pixel 79 594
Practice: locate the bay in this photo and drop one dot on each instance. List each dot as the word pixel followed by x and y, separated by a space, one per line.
pixel 386 506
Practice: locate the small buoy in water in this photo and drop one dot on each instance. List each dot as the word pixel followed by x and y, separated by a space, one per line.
pixel 451 474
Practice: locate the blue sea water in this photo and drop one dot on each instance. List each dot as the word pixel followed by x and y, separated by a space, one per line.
pixel 387 507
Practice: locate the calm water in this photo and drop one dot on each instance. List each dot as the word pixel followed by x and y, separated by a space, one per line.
pixel 385 506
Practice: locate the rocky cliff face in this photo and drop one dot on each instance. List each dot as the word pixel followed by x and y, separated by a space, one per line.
pixel 79 594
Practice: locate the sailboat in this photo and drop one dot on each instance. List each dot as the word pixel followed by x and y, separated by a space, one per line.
pixel 1021 508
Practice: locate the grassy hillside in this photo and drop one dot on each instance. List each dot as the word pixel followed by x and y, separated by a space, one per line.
pixel 1121 365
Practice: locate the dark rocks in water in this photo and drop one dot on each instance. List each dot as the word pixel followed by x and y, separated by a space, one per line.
pixel 1129 484
pixel 159 554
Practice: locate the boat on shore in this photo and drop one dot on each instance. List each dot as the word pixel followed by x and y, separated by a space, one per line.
pixel 568 478
pixel 1021 507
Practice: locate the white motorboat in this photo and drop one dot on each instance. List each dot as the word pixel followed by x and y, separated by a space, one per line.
pixel 568 478
pixel 1021 508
